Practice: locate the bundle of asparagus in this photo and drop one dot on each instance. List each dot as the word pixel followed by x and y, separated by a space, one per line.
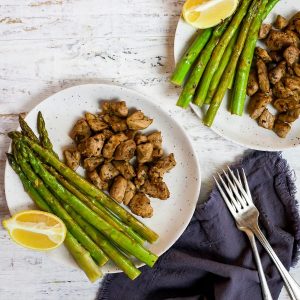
pixel 220 58
pixel 99 229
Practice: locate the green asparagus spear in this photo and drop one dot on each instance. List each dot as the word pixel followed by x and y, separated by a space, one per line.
pixel 91 217
pixel 27 130
pixel 189 89
pixel 243 70
pixel 115 255
pixel 96 207
pixel 217 76
pixel 229 71
pixel 190 55
pixel 80 255
pixel 92 191
pixel 216 57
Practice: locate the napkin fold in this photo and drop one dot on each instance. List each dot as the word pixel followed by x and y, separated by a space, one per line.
pixel 213 259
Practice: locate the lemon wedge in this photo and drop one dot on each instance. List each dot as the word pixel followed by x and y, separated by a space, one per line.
pixel 207 13
pixel 36 230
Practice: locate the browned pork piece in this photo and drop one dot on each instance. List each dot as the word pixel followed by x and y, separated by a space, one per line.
pixel 258 104
pixel 141 175
pixel 140 138
pixel 108 171
pixel 281 22
pixel 263 54
pixel 277 72
pixel 252 86
pixel 291 55
pixel 117 124
pixel 92 163
pixel 117 108
pixel 138 121
pixel 118 188
pixel 281 128
pixel 277 40
pixel 144 153
pixel 266 119
pixel 264 31
pixel 285 104
pixel 125 151
pixel 162 166
pixel 112 144
pixel 262 74
pixel 94 122
pixel 129 193
pixel 141 206
pixel 92 146
pixel 290 116
pixel 72 157
pixel 96 180
pixel 80 131
pixel 157 189
pixel 125 168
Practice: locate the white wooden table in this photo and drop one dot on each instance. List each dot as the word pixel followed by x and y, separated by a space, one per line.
pixel 48 45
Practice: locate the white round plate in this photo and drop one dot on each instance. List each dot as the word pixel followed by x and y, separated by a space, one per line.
pixel 243 130
pixel 61 111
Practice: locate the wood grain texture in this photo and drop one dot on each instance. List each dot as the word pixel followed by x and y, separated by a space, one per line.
pixel 48 45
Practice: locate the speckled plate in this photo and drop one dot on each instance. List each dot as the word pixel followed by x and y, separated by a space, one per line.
pixel 171 216
pixel 243 130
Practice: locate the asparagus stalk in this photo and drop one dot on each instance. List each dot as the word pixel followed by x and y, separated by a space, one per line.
pixel 91 217
pixel 189 89
pixel 189 57
pixel 230 68
pixel 96 207
pixel 92 191
pixel 243 70
pixel 115 255
pixel 219 51
pixel 27 130
pixel 80 255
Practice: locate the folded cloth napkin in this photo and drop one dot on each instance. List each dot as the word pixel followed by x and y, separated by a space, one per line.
pixel 213 259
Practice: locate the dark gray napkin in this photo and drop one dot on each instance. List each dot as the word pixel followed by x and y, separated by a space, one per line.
pixel 213 259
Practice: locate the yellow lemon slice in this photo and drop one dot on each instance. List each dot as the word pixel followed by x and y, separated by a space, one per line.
pixel 208 13
pixel 36 230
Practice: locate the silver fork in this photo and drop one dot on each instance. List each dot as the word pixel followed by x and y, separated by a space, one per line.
pixel 238 199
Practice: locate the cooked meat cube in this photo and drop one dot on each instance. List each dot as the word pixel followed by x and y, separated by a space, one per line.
pixel 264 31
pixel 297 26
pixel 125 168
pixel 252 86
pixel 107 133
pixel 294 37
pixel 72 157
pixel 281 128
pixel 266 119
pixel 155 139
pixel 291 55
pixel 275 56
pixel 157 189
pixel 118 188
pixel 114 141
pixel 92 146
pixel 140 138
pixel 129 193
pixel 262 74
pixel 125 151
pixel 281 22
pixel 285 104
pixel 258 104
pixel 108 171
pixel 138 121
pixel 141 206
pixel 144 152
pixel 92 163
pixel 162 166
pixel 141 175
pixel 280 91
pixel 278 72
pixel 292 83
pixel 277 40
pixel 157 153
pixel 80 131
pixel 117 108
pixel 290 116
pixel 94 122
pixel 117 124
pixel 96 180
pixel 297 69
pixel 263 54
pixel 130 134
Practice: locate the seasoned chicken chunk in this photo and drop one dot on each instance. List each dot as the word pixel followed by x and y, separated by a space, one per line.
pixel 140 138
pixel 92 146
pixel 297 69
pixel 275 56
pixel 277 73
pixel 117 108
pixel 141 175
pixel 94 122
pixel 80 131
pixel 264 31
pixel 138 121
pixel 297 26
pixel 281 128
pixel 114 141
pixel 258 103
pixel 280 22
pixel 292 83
pixel 130 134
pixel 291 55
pixel 125 151
pixel 285 104
pixel 144 152
pixel 155 139
pixel 157 153
pixel 72 157
pixel 125 168
pixel 117 124
pixel 280 91
pixel 162 166
pixel 262 74
pixel 252 86
pixel 118 188
pixel 266 119
pixel 141 206
pixel 277 40
pixel 92 163
pixel 108 171
pixel 129 193
pixel 96 180
pixel 290 116
pixel 263 54
pixel 294 37
pixel 157 189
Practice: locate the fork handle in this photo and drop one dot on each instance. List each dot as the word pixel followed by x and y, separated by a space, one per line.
pixel 264 285
pixel 291 285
